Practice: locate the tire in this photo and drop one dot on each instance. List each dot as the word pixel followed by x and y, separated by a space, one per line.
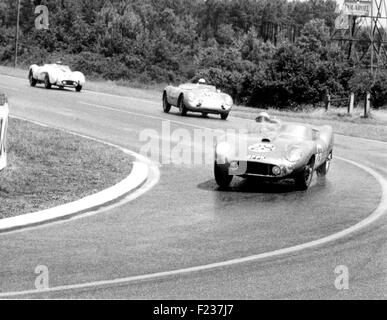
pixel 182 108
pixel 324 168
pixel 166 105
pixel 205 115
pixel 224 116
pixel 78 88
pixel 222 178
pixel 33 82
pixel 304 178
pixel 47 83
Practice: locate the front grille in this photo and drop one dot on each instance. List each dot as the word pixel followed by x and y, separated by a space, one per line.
pixel 69 83
pixel 262 169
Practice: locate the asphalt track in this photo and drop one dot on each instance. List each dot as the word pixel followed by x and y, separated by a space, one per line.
pixel 185 222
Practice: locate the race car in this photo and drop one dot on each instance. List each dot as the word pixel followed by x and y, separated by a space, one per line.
pixel 197 97
pixel 56 75
pixel 274 150
pixel 4 112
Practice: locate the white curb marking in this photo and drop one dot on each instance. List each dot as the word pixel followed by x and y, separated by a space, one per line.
pixel 138 176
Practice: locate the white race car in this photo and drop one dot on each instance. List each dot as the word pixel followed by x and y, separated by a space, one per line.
pixel 56 75
pixel 197 97
pixel 4 111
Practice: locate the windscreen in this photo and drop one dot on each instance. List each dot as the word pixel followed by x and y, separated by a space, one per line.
pixel 297 131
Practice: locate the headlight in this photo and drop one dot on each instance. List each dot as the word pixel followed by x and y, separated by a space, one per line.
pixel 294 154
pixel 191 97
pixel 223 149
pixel 228 101
pixel 276 170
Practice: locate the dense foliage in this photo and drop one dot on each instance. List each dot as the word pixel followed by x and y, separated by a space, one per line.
pixel 263 52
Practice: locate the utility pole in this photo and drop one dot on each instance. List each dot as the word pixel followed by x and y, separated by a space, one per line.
pixel 17 32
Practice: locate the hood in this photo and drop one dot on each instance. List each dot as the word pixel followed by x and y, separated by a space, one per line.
pixel 270 147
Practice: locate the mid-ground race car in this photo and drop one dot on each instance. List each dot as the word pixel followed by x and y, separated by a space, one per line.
pixel 197 97
pixel 56 75
pixel 271 149
pixel 4 112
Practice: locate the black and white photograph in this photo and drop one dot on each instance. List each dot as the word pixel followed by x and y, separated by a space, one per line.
pixel 193 153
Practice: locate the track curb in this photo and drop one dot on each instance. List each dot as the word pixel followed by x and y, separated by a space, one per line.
pixel 137 177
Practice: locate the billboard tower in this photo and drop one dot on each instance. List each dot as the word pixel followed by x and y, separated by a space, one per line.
pixel 361 28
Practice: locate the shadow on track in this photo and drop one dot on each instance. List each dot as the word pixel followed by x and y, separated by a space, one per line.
pixel 259 186
pixel 55 89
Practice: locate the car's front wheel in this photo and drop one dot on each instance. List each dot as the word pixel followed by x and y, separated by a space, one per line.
pixel 324 168
pixel 182 108
pixel 222 178
pixel 33 82
pixel 78 88
pixel 304 178
pixel 47 82
pixel 166 105
pixel 224 116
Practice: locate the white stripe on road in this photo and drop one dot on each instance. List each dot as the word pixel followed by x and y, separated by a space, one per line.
pixel 8 88
pixel 377 214
pixel 123 97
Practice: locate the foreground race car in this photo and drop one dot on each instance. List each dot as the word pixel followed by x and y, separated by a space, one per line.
pixel 197 97
pixel 56 75
pixel 274 150
pixel 4 112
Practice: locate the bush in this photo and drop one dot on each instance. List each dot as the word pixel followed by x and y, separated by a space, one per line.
pixel 363 82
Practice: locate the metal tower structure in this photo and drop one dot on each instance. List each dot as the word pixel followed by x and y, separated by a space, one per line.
pixel 361 28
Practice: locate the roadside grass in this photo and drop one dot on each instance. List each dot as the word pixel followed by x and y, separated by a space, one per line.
pixel 374 127
pixel 49 167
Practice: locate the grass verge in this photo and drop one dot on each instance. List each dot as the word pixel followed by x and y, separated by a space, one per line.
pixel 49 167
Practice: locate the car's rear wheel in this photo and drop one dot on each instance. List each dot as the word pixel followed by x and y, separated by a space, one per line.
pixel 33 82
pixel 78 88
pixel 224 116
pixel 304 178
pixel 182 108
pixel 166 105
pixel 47 82
pixel 222 178
pixel 324 168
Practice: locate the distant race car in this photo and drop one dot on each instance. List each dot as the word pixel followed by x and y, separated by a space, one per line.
pixel 56 75
pixel 277 150
pixel 197 97
pixel 4 112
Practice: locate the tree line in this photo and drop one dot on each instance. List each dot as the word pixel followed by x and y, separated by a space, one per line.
pixel 263 52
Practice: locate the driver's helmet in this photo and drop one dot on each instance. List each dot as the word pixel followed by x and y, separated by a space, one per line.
pixel 202 81
pixel 59 63
pixel 265 117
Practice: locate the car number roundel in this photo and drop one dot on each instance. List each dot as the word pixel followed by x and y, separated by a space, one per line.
pixel 262 147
